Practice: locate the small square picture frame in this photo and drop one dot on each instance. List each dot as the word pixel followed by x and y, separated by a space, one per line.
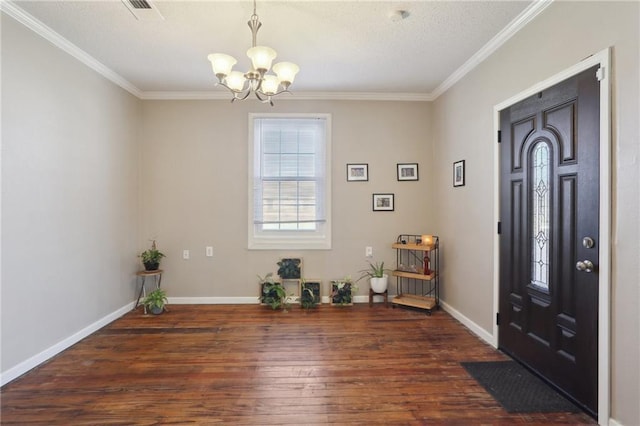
pixel 383 202
pixel 407 171
pixel 357 172
pixel 458 173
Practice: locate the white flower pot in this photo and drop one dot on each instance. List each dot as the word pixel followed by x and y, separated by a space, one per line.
pixel 379 285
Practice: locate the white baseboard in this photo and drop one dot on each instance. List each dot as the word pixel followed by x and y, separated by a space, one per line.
pixel 475 328
pixel 213 300
pixel 246 300
pixel 34 361
pixel 613 422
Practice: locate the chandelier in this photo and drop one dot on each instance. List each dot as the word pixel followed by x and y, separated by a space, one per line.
pixel 256 80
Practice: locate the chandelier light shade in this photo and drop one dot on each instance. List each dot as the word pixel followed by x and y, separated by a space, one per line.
pixel 264 86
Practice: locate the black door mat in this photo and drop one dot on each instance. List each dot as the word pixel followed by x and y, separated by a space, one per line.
pixel 516 389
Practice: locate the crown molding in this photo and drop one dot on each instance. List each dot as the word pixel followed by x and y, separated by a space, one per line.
pixel 520 21
pixel 527 15
pixel 292 96
pixel 56 39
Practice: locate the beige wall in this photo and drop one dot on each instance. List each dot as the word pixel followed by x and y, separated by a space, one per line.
pixel 69 188
pixel 194 190
pixel 72 173
pixel 563 35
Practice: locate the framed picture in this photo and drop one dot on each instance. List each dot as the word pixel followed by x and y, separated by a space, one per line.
pixel 357 172
pixel 458 173
pixel 383 202
pixel 408 171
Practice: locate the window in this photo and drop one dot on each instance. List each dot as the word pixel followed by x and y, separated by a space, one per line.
pixel 289 181
pixel 540 200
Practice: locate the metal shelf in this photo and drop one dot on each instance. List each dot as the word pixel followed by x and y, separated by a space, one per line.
pixel 416 289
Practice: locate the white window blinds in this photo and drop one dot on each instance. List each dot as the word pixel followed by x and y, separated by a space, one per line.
pixel 289 174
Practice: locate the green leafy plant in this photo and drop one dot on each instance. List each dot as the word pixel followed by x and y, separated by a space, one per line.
pixel 289 269
pixel 156 300
pixel 273 293
pixel 375 270
pixel 342 291
pixel 310 295
pixel 151 257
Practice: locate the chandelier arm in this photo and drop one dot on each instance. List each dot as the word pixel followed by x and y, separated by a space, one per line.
pixel 259 98
pixel 277 93
pixel 264 101
pixel 245 96
pixel 235 93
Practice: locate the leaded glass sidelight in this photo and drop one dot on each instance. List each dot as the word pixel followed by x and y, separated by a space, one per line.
pixel 540 197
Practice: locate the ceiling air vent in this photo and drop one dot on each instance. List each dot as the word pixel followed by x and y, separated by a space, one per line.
pixel 143 10
pixel 140 4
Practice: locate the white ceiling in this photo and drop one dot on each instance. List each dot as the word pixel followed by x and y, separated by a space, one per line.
pixel 340 46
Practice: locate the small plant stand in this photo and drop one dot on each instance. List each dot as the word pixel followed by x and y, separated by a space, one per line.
pixel 157 275
pixel 385 295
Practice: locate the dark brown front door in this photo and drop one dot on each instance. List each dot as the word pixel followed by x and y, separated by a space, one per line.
pixel 549 201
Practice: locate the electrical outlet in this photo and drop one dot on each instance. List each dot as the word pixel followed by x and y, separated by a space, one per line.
pixel 185 254
pixel 368 251
pixel 209 251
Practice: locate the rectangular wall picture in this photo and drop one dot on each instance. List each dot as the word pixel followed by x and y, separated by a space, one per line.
pixel 458 173
pixel 357 172
pixel 383 202
pixel 408 171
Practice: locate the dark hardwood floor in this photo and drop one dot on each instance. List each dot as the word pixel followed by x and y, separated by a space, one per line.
pixel 246 364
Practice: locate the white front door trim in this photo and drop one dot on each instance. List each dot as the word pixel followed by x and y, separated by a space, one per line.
pixel 603 58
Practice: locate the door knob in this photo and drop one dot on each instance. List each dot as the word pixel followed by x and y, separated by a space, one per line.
pixel 584 265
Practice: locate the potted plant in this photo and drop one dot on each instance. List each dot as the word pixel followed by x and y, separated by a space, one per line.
pixel 342 291
pixel 309 294
pixel 377 277
pixel 272 293
pixel 155 301
pixel 151 258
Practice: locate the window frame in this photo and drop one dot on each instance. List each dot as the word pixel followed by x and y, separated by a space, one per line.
pixel 319 239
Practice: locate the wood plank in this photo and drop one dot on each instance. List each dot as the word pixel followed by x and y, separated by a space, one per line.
pixel 418 247
pixel 249 365
pixel 405 274
pixel 415 301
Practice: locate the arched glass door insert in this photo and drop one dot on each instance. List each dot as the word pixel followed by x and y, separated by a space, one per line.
pixel 540 198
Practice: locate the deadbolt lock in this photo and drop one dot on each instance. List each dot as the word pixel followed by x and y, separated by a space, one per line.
pixel 587 242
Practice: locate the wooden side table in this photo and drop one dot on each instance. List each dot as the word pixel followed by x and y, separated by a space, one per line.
pixel 385 295
pixel 157 275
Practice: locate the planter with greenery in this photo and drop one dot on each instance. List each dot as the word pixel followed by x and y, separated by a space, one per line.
pixel 151 257
pixel 309 294
pixel 155 301
pixel 272 292
pixel 378 280
pixel 342 292
pixel 290 269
